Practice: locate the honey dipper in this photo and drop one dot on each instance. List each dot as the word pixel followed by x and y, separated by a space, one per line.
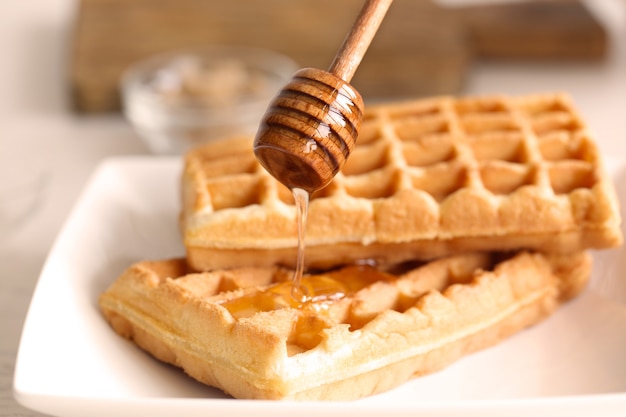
pixel 311 126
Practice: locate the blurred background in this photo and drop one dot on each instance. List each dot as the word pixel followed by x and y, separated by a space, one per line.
pixel 423 47
pixel 62 108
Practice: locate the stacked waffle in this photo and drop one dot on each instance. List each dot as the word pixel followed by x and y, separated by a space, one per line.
pixel 475 214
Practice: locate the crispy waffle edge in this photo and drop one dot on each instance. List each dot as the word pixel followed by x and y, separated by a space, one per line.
pixel 178 318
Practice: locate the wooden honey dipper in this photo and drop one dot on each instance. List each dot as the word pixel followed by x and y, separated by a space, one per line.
pixel 311 126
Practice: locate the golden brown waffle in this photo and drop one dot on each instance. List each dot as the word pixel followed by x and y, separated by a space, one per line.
pixel 427 178
pixel 239 330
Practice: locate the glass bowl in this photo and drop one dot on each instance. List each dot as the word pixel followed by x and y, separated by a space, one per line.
pixel 179 100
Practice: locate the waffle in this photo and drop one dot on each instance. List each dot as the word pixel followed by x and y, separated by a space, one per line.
pixel 427 178
pixel 364 332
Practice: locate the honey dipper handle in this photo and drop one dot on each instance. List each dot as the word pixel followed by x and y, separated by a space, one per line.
pixel 358 40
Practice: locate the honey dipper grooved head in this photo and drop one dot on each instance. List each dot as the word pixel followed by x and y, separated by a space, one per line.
pixel 309 129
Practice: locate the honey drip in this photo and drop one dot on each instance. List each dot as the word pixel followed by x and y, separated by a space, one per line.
pixel 317 292
pixel 277 296
pixel 298 291
pixel 323 289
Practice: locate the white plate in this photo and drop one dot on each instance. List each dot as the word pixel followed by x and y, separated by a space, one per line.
pixel 70 363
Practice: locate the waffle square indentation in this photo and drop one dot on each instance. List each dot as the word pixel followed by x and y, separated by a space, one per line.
pixel 234 191
pixel 440 180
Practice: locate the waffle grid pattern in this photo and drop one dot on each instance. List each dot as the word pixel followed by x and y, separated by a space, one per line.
pixel 433 169
pixel 435 313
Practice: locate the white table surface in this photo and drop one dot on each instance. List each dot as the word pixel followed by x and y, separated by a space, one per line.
pixel 39 135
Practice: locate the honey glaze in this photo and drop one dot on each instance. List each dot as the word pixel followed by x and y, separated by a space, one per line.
pixel 323 290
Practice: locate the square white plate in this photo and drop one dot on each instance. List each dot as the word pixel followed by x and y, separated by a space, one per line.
pixel 70 363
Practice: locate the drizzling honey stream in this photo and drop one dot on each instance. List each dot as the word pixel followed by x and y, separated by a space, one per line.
pixel 301 198
pixel 310 128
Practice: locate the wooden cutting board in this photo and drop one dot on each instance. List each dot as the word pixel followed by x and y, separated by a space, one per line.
pixel 421 49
